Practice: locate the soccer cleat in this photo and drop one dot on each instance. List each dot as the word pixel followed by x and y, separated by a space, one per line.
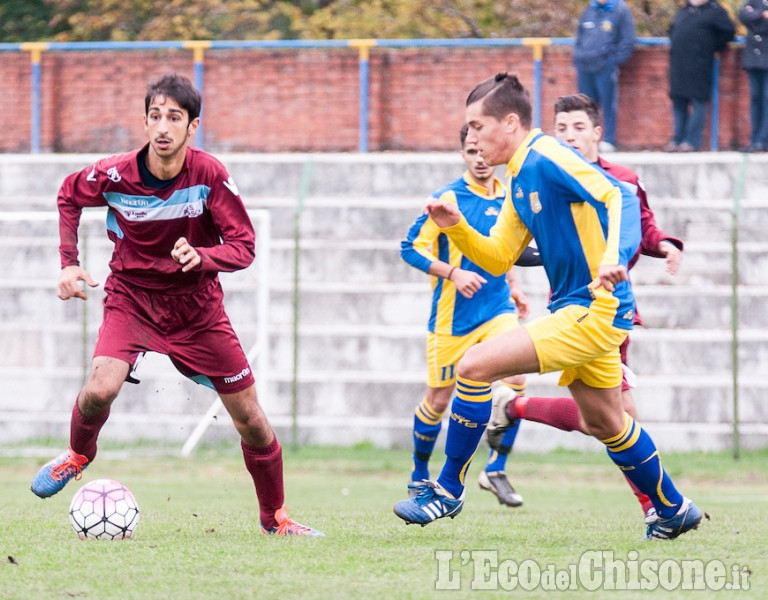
pixel 286 526
pixel 413 489
pixel 497 483
pixel 53 476
pixel 687 518
pixel 430 503
pixel 499 423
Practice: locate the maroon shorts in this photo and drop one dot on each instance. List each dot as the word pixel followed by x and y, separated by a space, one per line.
pixel 193 330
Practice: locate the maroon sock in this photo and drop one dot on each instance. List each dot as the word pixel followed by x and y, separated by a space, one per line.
pixel 84 432
pixel 562 413
pixel 643 499
pixel 266 467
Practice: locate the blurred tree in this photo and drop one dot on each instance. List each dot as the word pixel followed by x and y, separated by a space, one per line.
pixel 25 20
pixel 86 20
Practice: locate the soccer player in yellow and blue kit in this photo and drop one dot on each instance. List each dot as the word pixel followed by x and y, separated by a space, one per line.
pixel 587 227
pixel 468 306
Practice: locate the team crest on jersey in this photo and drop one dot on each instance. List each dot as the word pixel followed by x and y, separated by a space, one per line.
pixel 491 211
pixel 191 211
pixel 606 26
pixel 113 174
pixel 535 202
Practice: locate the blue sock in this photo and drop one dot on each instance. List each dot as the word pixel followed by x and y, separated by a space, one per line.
pixel 470 412
pixel 636 455
pixel 497 461
pixel 426 427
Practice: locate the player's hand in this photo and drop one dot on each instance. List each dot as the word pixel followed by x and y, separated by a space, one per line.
pixel 673 256
pixel 521 301
pixel 69 282
pixel 609 275
pixel 445 214
pixel 467 282
pixel 185 255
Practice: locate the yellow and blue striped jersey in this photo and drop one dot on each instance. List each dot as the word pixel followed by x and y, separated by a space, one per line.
pixel 450 312
pixel 580 216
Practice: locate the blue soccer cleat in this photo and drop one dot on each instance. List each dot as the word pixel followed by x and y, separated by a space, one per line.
pixel 54 475
pixel 688 517
pixel 430 503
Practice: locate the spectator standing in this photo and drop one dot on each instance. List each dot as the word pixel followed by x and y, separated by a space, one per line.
pixel 754 15
pixel 605 39
pixel 699 30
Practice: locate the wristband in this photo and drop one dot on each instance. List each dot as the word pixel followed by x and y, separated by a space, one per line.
pixel 450 273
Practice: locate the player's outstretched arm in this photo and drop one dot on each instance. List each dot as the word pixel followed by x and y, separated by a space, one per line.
pixel 69 282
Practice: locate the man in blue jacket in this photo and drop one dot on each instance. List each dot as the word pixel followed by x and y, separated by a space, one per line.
pixel 604 41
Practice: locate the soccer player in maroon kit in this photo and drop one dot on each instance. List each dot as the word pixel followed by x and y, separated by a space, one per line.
pixel 577 123
pixel 176 219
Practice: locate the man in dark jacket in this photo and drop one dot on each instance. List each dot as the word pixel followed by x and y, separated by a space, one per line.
pixel 604 41
pixel 754 15
pixel 700 28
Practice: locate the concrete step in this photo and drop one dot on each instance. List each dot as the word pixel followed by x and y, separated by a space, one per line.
pixel 342 218
pixel 659 398
pixel 701 175
pixel 368 261
pixel 397 349
pixel 408 304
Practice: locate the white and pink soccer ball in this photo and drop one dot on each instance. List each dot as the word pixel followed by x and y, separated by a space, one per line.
pixel 104 510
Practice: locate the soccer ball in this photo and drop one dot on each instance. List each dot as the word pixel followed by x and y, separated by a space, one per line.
pixel 104 510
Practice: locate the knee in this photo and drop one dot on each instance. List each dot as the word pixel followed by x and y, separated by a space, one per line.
pixel 439 399
pixel 95 399
pixel 472 369
pixel 604 426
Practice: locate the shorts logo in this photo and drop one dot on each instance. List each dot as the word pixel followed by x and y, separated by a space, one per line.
pixel 113 174
pixel 239 376
pixel 535 202
pixel 491 212
pixel 629 315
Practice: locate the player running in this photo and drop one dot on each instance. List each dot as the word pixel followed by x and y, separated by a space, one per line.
pixel 176 220
pixel 468 306
pixel 587 227
pixel 577 123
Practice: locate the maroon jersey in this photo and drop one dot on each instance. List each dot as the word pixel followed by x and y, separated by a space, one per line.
pixel 202 204
pixel 651 234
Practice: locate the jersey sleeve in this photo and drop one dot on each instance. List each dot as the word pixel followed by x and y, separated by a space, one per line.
pixel 79 190
pixel 652 235
pixel 498 251
pixel 238 240
pixel 417 248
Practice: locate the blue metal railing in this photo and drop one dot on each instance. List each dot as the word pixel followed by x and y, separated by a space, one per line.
pixel 363 46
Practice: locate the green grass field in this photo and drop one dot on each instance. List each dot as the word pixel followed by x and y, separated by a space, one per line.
pixel 198 536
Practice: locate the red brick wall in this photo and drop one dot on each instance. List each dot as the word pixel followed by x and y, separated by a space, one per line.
pixel 307 100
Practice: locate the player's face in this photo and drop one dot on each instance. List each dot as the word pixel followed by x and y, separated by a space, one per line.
pixel 576 129
pixel 488 135
pixel 478 169
pixel 168 127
